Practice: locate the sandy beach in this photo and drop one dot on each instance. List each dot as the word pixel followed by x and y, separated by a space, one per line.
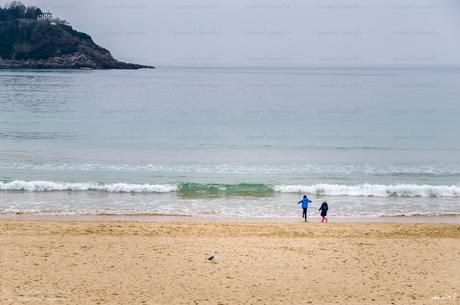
pixel 121 262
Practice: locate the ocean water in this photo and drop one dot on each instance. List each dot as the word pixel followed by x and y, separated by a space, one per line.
pixel 231 142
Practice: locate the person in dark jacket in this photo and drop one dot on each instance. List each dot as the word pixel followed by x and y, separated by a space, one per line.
pixel 324 207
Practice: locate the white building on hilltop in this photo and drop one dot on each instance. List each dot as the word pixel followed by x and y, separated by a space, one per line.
pixel 48 17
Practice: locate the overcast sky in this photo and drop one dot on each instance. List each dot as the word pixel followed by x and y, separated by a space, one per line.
pixel 269 32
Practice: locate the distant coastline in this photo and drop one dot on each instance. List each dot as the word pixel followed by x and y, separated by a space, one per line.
pixel 33 39
pixel 73 61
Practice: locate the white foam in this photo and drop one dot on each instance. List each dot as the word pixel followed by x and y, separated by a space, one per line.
pixel 47 186
pixel 367 190
pixel 377 190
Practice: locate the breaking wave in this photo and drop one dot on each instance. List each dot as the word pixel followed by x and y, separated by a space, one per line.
pixel 373 190
pixel 49 186
pixel 243 189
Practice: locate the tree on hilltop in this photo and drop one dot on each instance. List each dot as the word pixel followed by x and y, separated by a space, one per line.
pixel 17 10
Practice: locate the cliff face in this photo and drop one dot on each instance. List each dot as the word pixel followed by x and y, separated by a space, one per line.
pixel 34 44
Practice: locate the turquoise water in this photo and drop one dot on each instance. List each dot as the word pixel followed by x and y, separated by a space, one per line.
pixel 233 142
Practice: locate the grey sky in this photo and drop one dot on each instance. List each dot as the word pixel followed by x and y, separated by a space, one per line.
pixel 267 33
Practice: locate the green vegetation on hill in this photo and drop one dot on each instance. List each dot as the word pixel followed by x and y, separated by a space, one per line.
pixel 30 41
pixel 17 10
pixel 26 39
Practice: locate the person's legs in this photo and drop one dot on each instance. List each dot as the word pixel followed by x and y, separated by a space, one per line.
pixel 305 214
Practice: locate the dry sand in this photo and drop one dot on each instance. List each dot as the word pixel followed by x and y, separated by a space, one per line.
pixel 109 262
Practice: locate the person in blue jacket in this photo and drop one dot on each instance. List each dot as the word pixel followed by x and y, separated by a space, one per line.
pixel 305 201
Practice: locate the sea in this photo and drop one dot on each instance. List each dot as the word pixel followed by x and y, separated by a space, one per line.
pixel 231 142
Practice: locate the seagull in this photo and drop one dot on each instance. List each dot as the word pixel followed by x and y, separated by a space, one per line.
pixel 213 257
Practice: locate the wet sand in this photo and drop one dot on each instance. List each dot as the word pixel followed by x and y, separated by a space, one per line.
pixel 259 262
pixel 454 218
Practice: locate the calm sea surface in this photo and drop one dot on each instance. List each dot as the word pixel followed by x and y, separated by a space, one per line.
pixel 227 142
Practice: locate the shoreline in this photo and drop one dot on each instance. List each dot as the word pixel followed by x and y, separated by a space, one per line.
pixel 435 219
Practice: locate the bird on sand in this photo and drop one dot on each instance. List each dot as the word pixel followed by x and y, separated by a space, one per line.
pixel 213 257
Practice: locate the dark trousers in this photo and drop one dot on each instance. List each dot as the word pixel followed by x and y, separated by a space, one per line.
pixel 304 213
